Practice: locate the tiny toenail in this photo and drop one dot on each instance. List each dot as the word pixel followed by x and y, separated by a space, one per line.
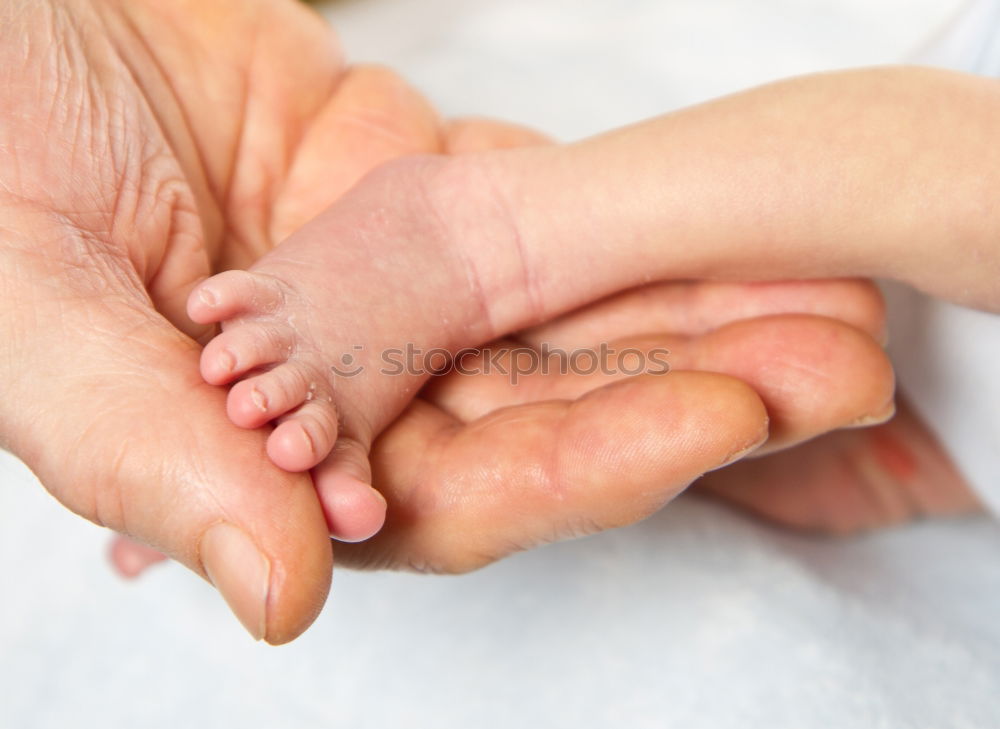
pixel 227 361
pixel 208 297
pixel 308 440
pixel 259 399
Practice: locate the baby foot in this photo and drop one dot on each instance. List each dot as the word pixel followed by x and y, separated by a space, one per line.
pixel 308 332
pixel 269 343
pixel 264 335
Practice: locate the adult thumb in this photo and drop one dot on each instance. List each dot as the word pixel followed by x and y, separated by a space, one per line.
pixel 127 435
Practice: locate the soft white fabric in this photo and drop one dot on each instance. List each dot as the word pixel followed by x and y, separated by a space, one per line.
pixel 696 618
pixel 946 360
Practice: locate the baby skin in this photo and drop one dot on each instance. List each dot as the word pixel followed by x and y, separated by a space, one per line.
pixel 306 329
pixel 427 253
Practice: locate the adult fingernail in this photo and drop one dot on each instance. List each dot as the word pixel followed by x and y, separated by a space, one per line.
pixel 875 418
pixel 743 452
pixel 240 572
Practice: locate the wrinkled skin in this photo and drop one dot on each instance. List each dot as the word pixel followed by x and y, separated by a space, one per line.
pixel 147 145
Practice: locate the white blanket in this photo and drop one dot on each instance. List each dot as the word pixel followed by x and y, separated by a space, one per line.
pixel 696 618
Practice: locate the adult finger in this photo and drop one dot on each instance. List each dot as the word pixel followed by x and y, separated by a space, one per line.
pixel 373 116
pixel 534 473
pixel 690 308
pixel 131 558
pixel 812 374
pixel 850 481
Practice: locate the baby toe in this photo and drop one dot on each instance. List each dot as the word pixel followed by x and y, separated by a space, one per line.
pixel 243 348
pixel 305 438
pixel 232 293
pixel 258 400
pixel 354 510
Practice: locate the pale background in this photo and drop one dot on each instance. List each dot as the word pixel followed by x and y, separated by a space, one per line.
pixel 695 618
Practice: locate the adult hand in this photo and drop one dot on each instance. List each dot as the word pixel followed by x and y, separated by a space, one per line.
pixel 149 144
pixel 122 159
pixel 841 482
